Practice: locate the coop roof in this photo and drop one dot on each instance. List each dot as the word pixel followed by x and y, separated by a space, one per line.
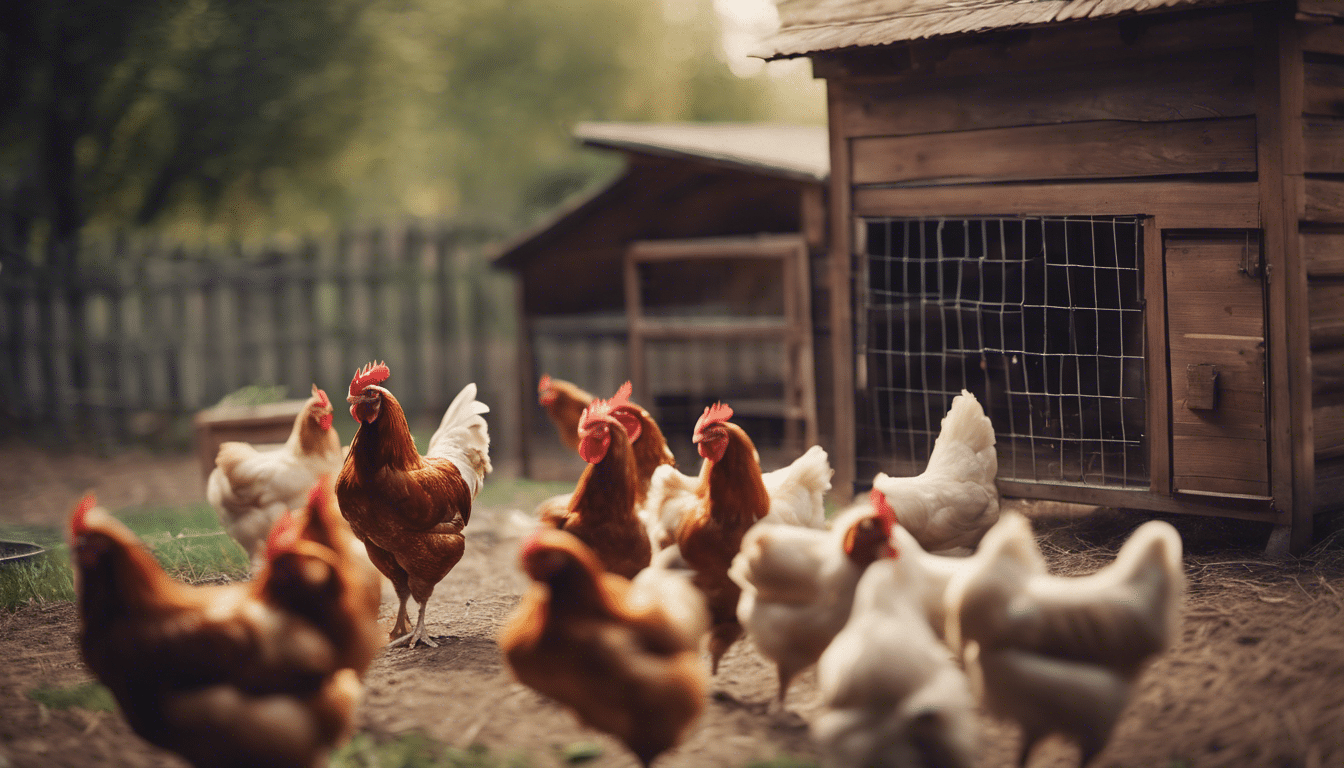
pixel 799 151
pixel 812 26
pixel 792 152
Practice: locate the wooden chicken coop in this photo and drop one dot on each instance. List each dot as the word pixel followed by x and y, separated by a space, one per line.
pixel 1119 223
pixel 689 274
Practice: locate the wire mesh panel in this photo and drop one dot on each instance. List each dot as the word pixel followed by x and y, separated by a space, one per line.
pixel 1041 318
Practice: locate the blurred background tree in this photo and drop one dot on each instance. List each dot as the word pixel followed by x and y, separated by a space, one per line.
pixel 249 119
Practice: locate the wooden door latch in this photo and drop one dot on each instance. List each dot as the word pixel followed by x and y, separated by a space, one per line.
pixel 1201 390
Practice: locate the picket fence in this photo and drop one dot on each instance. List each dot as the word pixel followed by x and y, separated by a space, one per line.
pixel 151 332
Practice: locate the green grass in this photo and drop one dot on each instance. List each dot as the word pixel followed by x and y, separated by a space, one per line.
pixel 188 541
pixel 414 750
pixel 92 696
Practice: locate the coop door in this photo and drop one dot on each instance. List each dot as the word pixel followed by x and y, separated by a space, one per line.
pixel 1216 336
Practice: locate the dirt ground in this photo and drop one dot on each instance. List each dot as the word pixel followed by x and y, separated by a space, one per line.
pixel 1257 678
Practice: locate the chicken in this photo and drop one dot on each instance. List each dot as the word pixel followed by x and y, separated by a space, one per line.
pixel 601 512
pixel 796 492
pixel 1059 654
pixel 892 695
pixel 666 583
pixel 649 448
pixel 265 673
pixel 798 583
pixel 730 499
pixel 250 489
pixel 564 403
pixel 618 660
pixel 955 500
pixel 408 509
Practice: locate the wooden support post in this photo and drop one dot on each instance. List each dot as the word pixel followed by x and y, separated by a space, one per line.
pixel 1279 83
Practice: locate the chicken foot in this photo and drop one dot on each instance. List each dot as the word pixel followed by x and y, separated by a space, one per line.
pixel 417 635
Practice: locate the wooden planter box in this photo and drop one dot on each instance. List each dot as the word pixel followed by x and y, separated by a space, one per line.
pixel 259 425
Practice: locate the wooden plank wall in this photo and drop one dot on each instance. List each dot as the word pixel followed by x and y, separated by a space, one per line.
pixel 1322 247
pixel 1100 118
pixel 152 332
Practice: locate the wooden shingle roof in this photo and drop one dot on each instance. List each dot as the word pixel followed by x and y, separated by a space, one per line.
pixel 813 26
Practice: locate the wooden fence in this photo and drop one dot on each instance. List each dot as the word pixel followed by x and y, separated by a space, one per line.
pixel 151 332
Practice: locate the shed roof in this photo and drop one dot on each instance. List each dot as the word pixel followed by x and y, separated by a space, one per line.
pixel 797 151
pixel 812 26
pixel 794 152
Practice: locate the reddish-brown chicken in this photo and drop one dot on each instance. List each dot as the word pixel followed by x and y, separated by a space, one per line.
pixel 617 659
pixel 564 403
pixel 650 448
pixel 730 499
pixel 408 509
pixel 601 512
pixel 261 674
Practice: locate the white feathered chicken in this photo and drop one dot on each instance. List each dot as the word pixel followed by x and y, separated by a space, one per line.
pixel 954 501
pixel 892 695
pixel 797 495
pixel 666 583
pixel 798 583
pixel 1059 654
pixel 251 489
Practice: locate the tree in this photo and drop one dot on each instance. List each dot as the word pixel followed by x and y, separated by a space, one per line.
pixel 120 111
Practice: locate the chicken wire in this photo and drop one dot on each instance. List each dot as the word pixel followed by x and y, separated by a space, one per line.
pixel 1041 318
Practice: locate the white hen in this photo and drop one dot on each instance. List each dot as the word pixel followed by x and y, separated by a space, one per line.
pixel 954 501
pixel 1059 654
pixel 892 695
pixel 798 583
pixel 797 495
pixel 666 582
pixel 251 489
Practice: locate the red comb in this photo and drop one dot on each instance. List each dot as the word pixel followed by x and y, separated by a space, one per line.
pixel 885 513
pixel 714 414
pixel 373 373
pixel 284 535
pixel 78 522
pixel 322 399
pixel 622 396
pixel 545 382
pixel 317 495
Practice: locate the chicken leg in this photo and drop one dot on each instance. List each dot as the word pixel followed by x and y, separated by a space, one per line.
pixel 417 635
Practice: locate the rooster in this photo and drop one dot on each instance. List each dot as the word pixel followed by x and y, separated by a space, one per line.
pixel 892 695
pixel 798 583
pixel 250 489
pixel 408 509
pixel 1060 654
pixel 265 673
pixel 955 500
pixel 649 449
pixel 730 499
pixel 601 512
pixel 796 492
pixel 564 403
pixel 615 656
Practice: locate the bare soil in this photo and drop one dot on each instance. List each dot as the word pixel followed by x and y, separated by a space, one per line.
pixel 1257 678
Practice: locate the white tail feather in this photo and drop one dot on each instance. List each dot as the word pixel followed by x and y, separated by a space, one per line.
pixel 463 438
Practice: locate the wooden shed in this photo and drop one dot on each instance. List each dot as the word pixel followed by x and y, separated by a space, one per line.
pixel 1120 223
pixel 689 273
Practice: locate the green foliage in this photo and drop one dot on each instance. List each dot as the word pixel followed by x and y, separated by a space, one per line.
pixel 414 750
pixel 92 696
pixel 254 394
pixel 218 119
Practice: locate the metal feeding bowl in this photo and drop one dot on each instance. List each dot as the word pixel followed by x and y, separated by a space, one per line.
pixel 15 552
